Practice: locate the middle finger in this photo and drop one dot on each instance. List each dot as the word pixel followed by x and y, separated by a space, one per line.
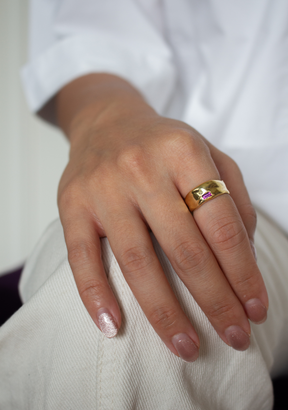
pixel 132 246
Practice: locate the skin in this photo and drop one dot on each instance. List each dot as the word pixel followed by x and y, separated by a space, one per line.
pixel 128 172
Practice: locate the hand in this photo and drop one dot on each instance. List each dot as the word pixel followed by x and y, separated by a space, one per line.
pixel 129 170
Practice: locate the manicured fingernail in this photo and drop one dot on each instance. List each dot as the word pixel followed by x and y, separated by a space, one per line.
pixel 237 338
pixel 253 249
pixel 185 347
pixel 256 311
pixel 107 323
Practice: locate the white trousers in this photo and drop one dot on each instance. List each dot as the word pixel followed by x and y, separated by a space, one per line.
pixel 52 355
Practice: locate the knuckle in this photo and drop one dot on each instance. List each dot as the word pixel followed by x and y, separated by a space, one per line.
pixel 136 260
pixel 247 281
pixel 220 311
pixel 184 143
pixel 92 290
pixel 101 173
pixel 81 252
pixel 228 234
pixel 250 214
pixel 188 256
pixel 233 166
pixel 163 318
pixel 69 194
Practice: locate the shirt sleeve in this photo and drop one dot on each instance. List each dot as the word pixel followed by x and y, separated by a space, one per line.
pixel 71 38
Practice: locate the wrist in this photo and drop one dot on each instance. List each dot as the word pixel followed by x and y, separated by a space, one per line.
pixel 95 117
pixel 96 100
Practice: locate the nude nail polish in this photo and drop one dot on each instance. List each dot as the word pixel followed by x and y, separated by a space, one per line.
pixel 107 323
pixel 256 311
pixel 237 338
pixel 185 347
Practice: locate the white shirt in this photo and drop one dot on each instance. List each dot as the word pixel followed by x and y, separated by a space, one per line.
pixel 219 65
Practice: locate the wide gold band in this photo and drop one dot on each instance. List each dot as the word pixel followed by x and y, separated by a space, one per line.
pixel 205 192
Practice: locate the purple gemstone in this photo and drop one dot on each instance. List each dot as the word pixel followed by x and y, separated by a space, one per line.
pixel 207 195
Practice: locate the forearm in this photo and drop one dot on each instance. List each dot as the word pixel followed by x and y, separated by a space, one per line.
pixel 94 96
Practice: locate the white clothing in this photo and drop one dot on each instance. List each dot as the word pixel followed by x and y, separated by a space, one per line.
pixel 219 65
pixel 53 356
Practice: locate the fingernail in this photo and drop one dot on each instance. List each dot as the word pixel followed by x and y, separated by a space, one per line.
pixel 107 323
pixel 185 347
pixel 237 338
pixel 256 311
pixel 253 249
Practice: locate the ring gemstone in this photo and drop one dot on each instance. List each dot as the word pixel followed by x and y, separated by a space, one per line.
pixel 207 195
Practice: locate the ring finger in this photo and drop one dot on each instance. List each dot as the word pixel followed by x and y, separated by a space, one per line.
pixel 197 266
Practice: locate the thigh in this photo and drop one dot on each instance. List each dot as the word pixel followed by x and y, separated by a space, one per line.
pixel 53 355
pixel 272 336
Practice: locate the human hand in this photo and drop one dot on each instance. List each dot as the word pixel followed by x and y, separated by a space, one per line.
pixel 129 170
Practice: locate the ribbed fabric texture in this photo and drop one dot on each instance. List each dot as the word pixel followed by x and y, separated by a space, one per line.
pixel 52 355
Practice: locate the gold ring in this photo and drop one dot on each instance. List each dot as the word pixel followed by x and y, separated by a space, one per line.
pixel 205 192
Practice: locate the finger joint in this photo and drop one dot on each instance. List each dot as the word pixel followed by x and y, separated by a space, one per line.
pixel 92 290
pixel 220 311
pixel 163 318
pixel 136 260
pixel 228 234
pixel 189 256
pixel 81 253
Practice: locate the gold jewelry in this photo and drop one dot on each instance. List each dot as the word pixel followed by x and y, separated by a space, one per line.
pixel 205 192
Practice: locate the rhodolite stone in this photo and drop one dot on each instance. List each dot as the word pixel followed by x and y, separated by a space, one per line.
pixel 207 195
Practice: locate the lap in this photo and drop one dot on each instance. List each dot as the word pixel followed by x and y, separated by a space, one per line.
pixel 54 356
